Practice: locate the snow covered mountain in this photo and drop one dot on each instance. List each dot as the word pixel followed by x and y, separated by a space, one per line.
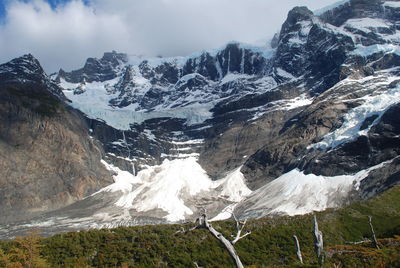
pixel 306 123
pixel 186 88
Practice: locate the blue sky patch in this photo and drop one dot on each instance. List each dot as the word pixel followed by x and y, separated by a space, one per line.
pixel 53 4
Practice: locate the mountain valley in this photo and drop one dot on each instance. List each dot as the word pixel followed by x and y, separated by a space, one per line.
pixel 303 124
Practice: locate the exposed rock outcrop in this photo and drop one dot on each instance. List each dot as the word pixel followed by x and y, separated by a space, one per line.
pixel 102 69
pixel 47 158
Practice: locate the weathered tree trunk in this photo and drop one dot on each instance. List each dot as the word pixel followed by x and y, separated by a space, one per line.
pixel 373 232
pixel 223 240
pixel 318 243
pixel 196 265
pixel 298 250
pixel 203 223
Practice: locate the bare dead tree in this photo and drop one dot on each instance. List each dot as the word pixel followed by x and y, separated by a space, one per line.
pixel 203 223
pixel 298 250
pixel 196 265
pixel 239 227
pixel 357 242
pixel 373 232
pixel 318 243
pixel 182 230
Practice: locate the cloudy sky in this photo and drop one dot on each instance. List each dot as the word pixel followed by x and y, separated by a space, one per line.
pixel 63 33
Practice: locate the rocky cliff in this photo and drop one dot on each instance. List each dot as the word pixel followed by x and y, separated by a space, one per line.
pixel 47 157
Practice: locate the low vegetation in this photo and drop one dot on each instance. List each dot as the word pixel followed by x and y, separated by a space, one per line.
pixel 36 99
pixel 270 244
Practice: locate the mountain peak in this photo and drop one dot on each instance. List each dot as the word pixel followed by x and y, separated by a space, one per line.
pixel 294 19
pixel 26 67
pixel 115 57
pixel 299 13
pixel 95 69
pixel 27 60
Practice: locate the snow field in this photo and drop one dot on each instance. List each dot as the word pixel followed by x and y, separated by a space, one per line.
pixel 296 193
pixel 169 185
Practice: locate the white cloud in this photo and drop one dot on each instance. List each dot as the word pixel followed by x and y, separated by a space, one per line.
pixel 62 37
pixel 67 35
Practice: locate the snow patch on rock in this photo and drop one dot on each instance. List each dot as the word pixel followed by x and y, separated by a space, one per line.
pixel 321 11
pixel 366 51
pixel 366 24
pixel 296 193
pixel 233 187
pixel 350 129
pixel 394 4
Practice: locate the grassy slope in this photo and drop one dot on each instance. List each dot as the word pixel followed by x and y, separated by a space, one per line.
pixel 270 244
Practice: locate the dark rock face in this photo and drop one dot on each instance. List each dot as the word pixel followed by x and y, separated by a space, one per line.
pixel 366 8
pixel 291 52
pixel 47 159
pixel 132 149
pixel 232 59
pixel 27 69
pixel 236 134
pixel 380 180
pixel 381 144
pixel 353 9
pixel 392 13
pixel 305 49
pixel 22 68
pixel 192 83
pixel 228 146
pixel 324 60
pixel 387 61
pixel 102 69
pixel 287 91
pixel 204 65
pixel 284 151
pixel 166 73
pixel 295 16
pixel 288 150
pixel 338 15
pixel 240 60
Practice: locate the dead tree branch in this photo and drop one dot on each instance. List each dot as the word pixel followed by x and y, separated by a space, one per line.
pixel 182 230
pixel 357 242
pixel 239 227
pixel 203 223
pixel 298 250
pixel 373 232
pixel 196 265
pixel 318 243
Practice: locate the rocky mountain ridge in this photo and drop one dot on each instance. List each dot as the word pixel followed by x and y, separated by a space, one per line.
pixel 305 125
pixel 46 156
